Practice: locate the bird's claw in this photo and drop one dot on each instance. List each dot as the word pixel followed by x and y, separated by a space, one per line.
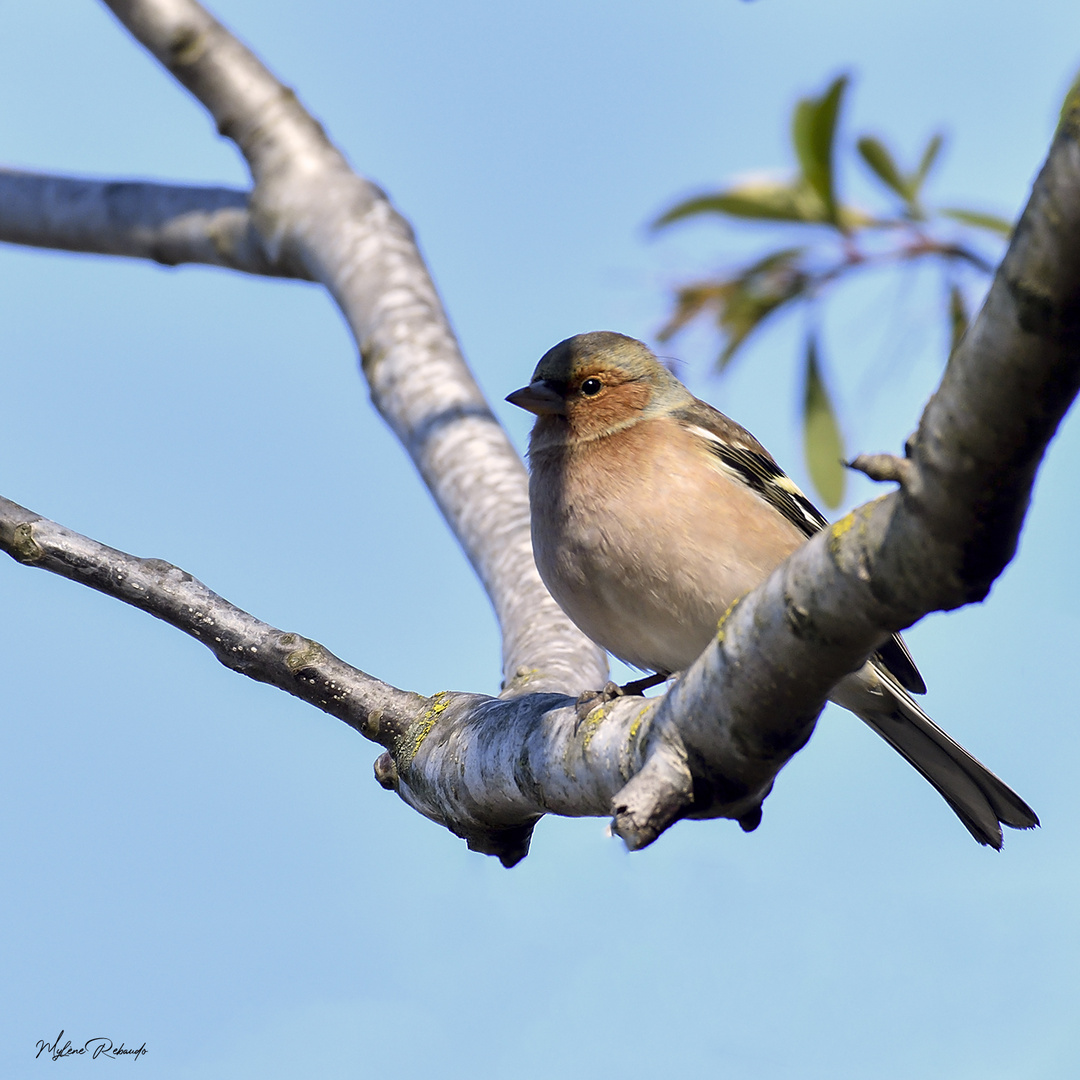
pixel 592 699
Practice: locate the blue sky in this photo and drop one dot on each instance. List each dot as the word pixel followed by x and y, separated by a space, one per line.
pixel 206 865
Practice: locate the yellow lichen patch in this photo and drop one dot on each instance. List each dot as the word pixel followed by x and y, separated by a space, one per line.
pixel 727 615
pixel 298 659
pixel 857 519
pixel 589 727
pixel 626 759
pixel 635 727
pixel 837 530
pixel 188 46
pixel 439 702
pixel 522 677
pixel 418 731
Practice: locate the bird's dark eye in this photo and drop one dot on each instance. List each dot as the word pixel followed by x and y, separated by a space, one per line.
pixel 591 387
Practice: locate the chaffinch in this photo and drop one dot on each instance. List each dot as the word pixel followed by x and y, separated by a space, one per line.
pixel 652 513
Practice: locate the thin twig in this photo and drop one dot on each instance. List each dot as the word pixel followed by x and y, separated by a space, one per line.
pixel 293 663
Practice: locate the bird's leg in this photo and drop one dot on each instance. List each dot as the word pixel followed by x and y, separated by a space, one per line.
pixel 634 689
pixel 592 698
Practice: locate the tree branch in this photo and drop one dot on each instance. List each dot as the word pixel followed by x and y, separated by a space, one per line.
pixel 487 769
pixel 295 664
pixel 168 223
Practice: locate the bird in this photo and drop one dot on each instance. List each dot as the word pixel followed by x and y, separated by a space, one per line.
pixel 652 512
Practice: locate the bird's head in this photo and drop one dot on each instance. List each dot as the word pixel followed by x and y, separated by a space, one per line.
pixel 596 384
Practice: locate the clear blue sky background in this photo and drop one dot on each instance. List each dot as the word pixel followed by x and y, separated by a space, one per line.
pixel 205 864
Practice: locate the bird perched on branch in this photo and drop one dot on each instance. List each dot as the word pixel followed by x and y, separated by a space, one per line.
pixel 652 513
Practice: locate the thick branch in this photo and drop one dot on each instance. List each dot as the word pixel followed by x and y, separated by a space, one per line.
pixel 313 212
pixel 170 224
pixel 1006 389
pixel 510 761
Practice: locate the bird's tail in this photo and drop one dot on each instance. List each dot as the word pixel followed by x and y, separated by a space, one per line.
pixel 979 799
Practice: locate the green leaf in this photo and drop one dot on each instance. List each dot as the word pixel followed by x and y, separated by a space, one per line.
pixel 690 302
pixel 764 201
pixel 813 132
pixel 877 156
pixel 741 302
pixel 822 443
pixel 741 315
pixel 958 317
pixel 756 293
pixel 979 220
pixel 926 163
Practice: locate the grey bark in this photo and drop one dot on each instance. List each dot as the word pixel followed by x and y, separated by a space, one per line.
pixel 489 768
pixel 168 223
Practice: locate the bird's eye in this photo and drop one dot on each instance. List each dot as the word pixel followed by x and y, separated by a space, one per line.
pixel 591 387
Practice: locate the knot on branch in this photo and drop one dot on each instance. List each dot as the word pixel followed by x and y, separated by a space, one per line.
pixel 885 467
pixel 186 47
pixel 386 772
pixel 24 547
pixel 654 798
pixel 509 846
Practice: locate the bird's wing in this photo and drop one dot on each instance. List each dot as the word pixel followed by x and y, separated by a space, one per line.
pixel 742 456
pixel 746 460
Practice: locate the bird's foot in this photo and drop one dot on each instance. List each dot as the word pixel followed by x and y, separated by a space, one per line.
pixel 591 699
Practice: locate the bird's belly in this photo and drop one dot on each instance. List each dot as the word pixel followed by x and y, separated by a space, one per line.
pixel 654 602
pixel 643 571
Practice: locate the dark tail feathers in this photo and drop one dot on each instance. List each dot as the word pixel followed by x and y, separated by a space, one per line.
pixel 980 800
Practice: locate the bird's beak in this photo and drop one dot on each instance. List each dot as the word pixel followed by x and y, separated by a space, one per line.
pixel 538 397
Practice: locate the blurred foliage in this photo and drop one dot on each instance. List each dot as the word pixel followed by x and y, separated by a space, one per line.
pixel 834 241
pixel 822 443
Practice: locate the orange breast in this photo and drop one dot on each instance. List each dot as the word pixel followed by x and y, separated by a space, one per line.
pixel 645 542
